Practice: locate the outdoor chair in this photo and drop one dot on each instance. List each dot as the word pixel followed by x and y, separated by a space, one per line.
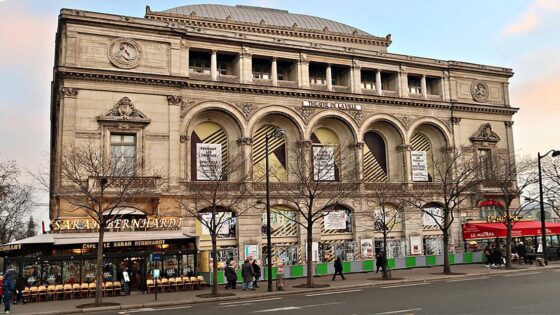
pixel 159 287
pixel 179 285
pixel 108 288
pixel 187 283
pixel 195 283
pixel 164 284
pixel 76 290
pixel 67 291
pixel 150 285
pixel 59 291
pixel 51 292
pixel 26 294
pixel 91 289
pixel 34 293
pixel 172 284
pixel 201 281
pixel 84 290
pixel 116 288
pixel 42 292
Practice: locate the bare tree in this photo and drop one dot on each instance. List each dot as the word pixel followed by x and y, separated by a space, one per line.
pixel 221 189
pixel 320 178
pixel 386 213
pixel 15 203
pixel 551 184
pixel 512 179
pixel 455 179
pixel 98 186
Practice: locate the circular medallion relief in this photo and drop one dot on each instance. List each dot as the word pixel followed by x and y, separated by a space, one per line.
pixel 124 53
pixel 480 91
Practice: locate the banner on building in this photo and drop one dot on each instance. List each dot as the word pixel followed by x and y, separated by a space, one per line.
pixel 416 245
pixel 367 248
pixel 323 163
pixel 335 220
pixel 419 166
pixel 208 161
pixel 221 217
pixel 432 217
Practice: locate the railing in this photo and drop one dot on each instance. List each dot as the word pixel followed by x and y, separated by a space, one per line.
pixel 200 76
pixel 341 88
pixel 213 186
pixel 322 87
pixel 369 91
pixel 145 183
pixel 228 78
pixel 288 84
pixel 389 93
pixel 262 81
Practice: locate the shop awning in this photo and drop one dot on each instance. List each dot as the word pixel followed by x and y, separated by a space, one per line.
pixel 491 202
pixel 498 230
pixel 124 211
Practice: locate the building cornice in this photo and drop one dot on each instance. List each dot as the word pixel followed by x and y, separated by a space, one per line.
pixel 187 83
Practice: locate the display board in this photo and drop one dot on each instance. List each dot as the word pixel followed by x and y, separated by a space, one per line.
pixel 209 161
pixel 419 161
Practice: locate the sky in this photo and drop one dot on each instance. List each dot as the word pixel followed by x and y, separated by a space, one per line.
pixel 520 34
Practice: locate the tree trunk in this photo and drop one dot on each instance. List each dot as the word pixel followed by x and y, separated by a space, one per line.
pixel 309 253
pixel 99 269
pixel 385 262
pixel 508 243
pixel 214 265
pixel 446 265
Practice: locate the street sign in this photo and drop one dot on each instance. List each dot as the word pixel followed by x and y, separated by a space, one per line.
pixel 156 273
pixel 157 257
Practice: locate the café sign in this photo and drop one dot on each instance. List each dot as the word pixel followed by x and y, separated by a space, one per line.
pixel 149 223
pixel 331 105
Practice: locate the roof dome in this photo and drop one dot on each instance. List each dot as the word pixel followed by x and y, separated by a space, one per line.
pixel 273 17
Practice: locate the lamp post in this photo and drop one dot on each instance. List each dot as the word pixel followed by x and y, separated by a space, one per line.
pixel 277 133
pixel 543 223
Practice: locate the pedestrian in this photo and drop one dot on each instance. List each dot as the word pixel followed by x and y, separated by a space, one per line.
pixel 496 256
pixel 488 254
pixel 231 276
pixel 190 272
pixel 521 252
pixel 247 274
pixel 1 291
pixel 338 268
pixel 379 262
pixel 20 287
pixel 257 272
pixel 8 287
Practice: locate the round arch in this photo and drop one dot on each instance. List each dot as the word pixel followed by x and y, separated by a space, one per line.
pixel 288 113
pixel 342 117
pixel 208 106
pixel 444 132
pixel 386 118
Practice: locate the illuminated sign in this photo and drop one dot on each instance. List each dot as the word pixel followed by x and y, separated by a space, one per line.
pixel 119 224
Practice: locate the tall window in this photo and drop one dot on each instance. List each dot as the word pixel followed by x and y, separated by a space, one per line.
pixel 414 85
pixel 485 159
pixel 368 80
pixel 222 68
pixel 261 71
pixel 123 153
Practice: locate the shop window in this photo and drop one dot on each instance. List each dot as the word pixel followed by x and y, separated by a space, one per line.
pixel 171 266
pixel 89 268
pixel 375 158
pixel 209 148
pixel 32 274
pixel 433 245
pixel 414 84
pixel 396 248
pixel 330 251
pixel 123 153
pixel 287 253
pixel 225 256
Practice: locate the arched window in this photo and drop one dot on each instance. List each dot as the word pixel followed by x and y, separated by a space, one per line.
pixel 325 155
pixel 225 221
pixel 421 143
pixel 432 215
pixel 375 158
pixel 336 220
pixel 209 151
pixel 393 218
pixel 276 155
pixel 282 222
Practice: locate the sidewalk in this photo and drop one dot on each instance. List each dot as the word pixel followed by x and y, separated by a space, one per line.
pixel 189 297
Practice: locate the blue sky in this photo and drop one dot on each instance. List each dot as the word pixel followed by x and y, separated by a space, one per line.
pixel 523 35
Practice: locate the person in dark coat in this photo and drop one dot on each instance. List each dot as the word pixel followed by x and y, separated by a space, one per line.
pixel 231 276
pixel 247 274
pixel 379 261
pixel 20 287
pixel 338 268
pixel 257 272
pixel 8 287
pixel 521 252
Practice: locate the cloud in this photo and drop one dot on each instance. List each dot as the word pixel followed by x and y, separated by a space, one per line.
pixel 533 18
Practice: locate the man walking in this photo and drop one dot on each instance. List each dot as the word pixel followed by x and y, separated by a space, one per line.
pixel 8 287
pixel 247 274
pixel 257 272
pixel 338 268
pixel 231 276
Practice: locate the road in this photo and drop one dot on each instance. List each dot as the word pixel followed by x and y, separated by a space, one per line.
pixel 534 292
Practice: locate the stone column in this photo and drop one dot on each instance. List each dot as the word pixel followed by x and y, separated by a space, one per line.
pixel 184 58
pixel 274 71
pixel 405 151
pixel 303 71
pixel 402 82
pixel 378 82
pixel 246 65
pixel 214 65
pixel 355 77
pixel 329 78
pixel 424 86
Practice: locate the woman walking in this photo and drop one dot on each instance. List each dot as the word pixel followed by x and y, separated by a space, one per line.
pixel 247 274
pixel 338 268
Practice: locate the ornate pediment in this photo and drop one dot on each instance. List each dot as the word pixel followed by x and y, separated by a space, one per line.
pixel 124 111
pixel 485 134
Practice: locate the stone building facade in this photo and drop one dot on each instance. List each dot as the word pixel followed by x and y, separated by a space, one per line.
pixel 213 74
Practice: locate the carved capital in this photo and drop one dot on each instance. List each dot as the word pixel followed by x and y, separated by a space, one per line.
pixel 303 58
pixel 69 92
pixel 357 145
pixel 509 124
pixel 246 52
pixel 174 99
pixel 245 141
pixel 185 139
pixel 356 64
pixel 455 120
pixel 404 148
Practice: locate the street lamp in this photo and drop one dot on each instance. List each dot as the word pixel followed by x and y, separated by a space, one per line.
pixel 543 223
pixel 277 133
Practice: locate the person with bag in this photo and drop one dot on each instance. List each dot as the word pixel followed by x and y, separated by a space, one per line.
pixel 257 272
pixel 247 274
pixel 8 287
pixel 231 276
pixel 338 268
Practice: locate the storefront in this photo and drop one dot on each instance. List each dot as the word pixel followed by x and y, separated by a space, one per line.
pixel 63 258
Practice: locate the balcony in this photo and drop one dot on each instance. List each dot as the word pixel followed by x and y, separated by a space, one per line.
pixel 130 184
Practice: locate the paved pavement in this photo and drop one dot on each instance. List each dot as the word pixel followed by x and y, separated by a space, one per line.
pixel 181 301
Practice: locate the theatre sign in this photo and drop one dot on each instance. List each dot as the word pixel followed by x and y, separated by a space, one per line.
pixel 143 224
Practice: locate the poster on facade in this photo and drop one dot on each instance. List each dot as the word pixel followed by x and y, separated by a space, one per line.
pixel 314 251
pixel 224 217
pixel 252 251
pixel 431 216
pixel 208 161
pixel 416 245
pixel 419 161
pixel 323 163
pixel 367 248
pixel 335 220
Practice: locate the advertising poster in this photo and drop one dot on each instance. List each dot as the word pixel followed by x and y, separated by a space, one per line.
pixel 323 163
pixel 415 245
pixel 367 248
pixel 335 220
pixel 432 216
pixel 209 161
pixel 224 217
pixel 252 251
pixel 419 166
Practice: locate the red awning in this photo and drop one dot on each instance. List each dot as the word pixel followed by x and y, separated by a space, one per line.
pixel 491 202
pixel 494 230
